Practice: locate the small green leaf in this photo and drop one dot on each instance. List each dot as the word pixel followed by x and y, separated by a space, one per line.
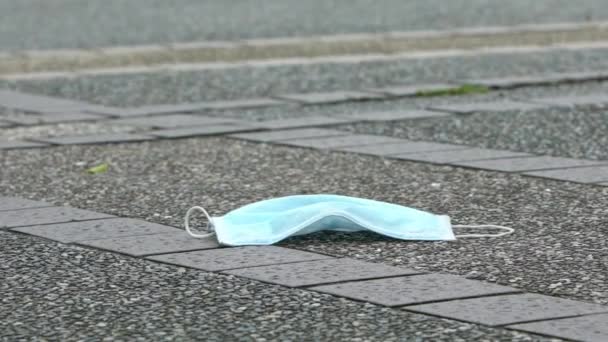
pixel 101 168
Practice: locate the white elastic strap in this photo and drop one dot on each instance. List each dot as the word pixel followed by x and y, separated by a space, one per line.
pixel 506 230
pixel 209 223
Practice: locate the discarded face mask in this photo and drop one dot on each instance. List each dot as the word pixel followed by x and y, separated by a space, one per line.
pixel 270 221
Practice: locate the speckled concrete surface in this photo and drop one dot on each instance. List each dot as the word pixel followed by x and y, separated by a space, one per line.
pixel 559 247
pixel 40 24
pixel 59 292
pixel 192 86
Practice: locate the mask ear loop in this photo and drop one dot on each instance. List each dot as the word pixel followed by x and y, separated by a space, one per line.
pixel 209 223
pixel 506 230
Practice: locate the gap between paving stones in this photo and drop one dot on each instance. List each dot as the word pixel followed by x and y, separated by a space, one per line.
pixel 504 295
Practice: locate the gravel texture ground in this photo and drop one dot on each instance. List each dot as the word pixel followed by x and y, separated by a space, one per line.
pixel 59 292
pixel 40 24
pixel 559 247
pixel 238 83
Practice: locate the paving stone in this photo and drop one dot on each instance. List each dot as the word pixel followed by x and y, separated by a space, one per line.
pixel 499 106
pixel 95 139
pixel 453 156
pixel 107 111
pixel 51 118
pixel 320 272
pixel 407 114
pixel 6 124
pixel 515 82
pixel 36 103
pixel 48 215
pixel 402 148
pixel 302 122
pixel 289 134
pixel 15 203
pixel 237 257
pixel 591 174
pixel 592 328
pixel 599 100
pixel 329 97
pixel 140 245
pixel 172 121
pixel 244 104
pixel 162 109
pixel 98 229
pixel 529 163
pixel 17 144
pixel 508 309
pixel 414 289
pixel 603 183
pixel 341 141
pixel 412 90
pixel 202 130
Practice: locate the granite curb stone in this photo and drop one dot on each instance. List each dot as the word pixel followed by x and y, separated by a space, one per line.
pixel 591 328
pixel 70 232
pixel 414 289
pixel 508 309
pixel 320 272
pixel 237 257
pixel 46 215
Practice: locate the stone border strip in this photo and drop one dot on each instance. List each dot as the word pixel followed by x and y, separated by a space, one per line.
pixel 442 295
pixel 317 46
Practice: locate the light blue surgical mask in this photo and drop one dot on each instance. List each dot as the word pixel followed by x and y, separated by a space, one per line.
pixel 270 221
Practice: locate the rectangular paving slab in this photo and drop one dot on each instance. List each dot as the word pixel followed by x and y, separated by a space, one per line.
pixel 96 139
pixel 591 174
pixel 341 141
pixel 514 82
pixel 16 203
pixel 529 163
pixel 19 144
pixel 599 100
pixel 289 134
pixel 412 90
pixel 244 103
pixel 237 257
pixel 48 215
pixel 328 97
pixel 98 229
pixel 413 289
pixel 447 157
pixel 489 107
pixel 406 114
pixel 402 148
pixel 308 121
pixel 592 328
pixel 36 103
pixel 141 245
pixel 172 121
pixel 508 309
pixel 38 119
pixel 215 129
pixel 320 272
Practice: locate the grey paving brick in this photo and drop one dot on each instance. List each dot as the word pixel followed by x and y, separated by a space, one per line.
pixel 98 229
pixel 202 130
pixel 529 163
pixel 514 82
pixel 140 245
pixel 244 104
pixel 309 121
pixel 95 139
pixel 18 144
pixel 320 272
pixel 48 215
pixel 161 109
pixel 172 121
pixel 412 90
pixel 591 174
pixel 402 148
pixel 499 106
pixel 592 328
pixel 51 118
pixel 237 257
pixel 407 114
pixel 599 100
pixel 508 309
pixel 329 97
pixel 15 203
pixel 107 110
pixel 413 289
pixel 289 134
pixel 36 103
pixel 341 141
pixel 453 156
